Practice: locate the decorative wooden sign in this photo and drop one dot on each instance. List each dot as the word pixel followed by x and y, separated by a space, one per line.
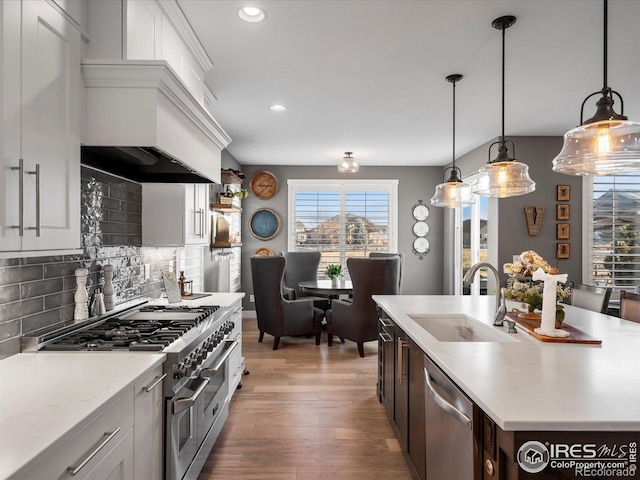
pixel 562 231
pixel 534 219
pixel 563 193
pixel 562 211
pixel 563 250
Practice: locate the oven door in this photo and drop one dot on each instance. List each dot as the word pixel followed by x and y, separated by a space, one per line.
pixel 183 440
pixel 216 392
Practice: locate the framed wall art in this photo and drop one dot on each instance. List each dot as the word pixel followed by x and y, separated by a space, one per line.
pixel 562 211
pixel 563 231
pixel 563 193
pixel 563 250
pixel 264 224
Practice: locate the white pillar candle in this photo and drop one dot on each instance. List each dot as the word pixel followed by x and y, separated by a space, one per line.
pixel 548 323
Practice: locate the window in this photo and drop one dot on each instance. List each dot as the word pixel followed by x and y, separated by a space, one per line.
pixel 615 247
pixel 471 244
pixel 342 218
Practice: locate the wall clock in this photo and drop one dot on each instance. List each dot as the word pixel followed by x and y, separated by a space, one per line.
pixel 264 185
pixel 264 224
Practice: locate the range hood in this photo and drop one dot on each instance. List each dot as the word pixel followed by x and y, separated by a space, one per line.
pixel 142 123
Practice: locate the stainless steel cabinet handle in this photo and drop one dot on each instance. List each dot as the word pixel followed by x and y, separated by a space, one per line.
pixel 153 385
pixel 384 337
pixel 200 223
pixel 446 406
pixel 401 347
pixel 210 372
pixel 74 470
pixel 20 225
pixel 386 323
pixel 36 172
pixel 182 404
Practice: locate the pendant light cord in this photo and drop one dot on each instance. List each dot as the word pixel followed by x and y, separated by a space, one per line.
pixel 604 86
pixel 503 54
pixel 454 125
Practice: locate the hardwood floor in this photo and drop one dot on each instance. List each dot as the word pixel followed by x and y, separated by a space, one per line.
pixel 306 412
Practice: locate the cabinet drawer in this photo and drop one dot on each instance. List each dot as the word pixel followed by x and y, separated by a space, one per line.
pixel 74 451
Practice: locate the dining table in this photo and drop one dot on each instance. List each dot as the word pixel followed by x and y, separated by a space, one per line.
pixel 327 288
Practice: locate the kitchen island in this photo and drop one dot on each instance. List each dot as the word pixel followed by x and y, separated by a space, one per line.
pixel 567 393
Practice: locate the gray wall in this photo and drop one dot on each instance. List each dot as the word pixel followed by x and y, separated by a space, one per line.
pixel 513 237
pixel 414 183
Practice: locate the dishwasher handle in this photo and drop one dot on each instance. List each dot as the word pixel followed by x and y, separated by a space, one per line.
pixel 446 406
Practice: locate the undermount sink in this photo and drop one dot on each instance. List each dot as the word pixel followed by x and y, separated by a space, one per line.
pixel 459 328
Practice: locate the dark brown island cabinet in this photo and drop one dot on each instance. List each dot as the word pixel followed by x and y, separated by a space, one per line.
pixel 434 451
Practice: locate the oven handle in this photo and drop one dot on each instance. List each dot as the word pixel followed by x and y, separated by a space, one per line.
pixel 210 372
pixel 182 404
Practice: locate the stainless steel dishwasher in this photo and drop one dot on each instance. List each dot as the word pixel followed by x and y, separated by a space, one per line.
pixel 449 427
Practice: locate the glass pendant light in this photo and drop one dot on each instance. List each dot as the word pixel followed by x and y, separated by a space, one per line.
pixel 348 164
pixel 453 192
pixel 503 176
pixel 605 144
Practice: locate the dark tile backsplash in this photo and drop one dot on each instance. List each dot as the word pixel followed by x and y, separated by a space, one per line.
pixel 38 292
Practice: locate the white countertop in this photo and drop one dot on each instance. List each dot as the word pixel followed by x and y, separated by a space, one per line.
pixel 221 299
pixel 45 396
pixel 534 385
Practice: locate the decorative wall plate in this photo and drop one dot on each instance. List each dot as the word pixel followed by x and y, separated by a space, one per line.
pixel 264 185
pixel 264 252
pixel 264 224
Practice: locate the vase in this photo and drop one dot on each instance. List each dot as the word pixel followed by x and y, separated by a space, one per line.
pixel 334 281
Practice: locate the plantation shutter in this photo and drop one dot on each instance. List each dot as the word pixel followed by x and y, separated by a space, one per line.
pixel 341 220
pixel 616 231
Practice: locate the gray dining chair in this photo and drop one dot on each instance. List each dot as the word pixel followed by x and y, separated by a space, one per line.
pixel 357 320
pixel 589 297
pixel 276 315
pixel 630 306
pixel 301 267
pixel 400 264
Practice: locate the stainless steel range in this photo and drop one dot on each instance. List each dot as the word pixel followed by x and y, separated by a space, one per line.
pixel 198 342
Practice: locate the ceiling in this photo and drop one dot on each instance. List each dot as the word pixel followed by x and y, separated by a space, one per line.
pixel 369 76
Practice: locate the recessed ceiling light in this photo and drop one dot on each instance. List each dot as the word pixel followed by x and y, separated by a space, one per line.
pixel 278 108
pixel 252 14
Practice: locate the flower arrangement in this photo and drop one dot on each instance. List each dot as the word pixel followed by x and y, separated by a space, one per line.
pixel 333 271
pixel 521 288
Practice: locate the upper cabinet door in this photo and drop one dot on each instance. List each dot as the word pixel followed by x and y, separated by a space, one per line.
pixel 144 28
pixel 51 108
pixel 196 214
pixel 10 239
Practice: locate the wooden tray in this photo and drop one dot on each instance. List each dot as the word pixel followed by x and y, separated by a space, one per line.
pixel 575 334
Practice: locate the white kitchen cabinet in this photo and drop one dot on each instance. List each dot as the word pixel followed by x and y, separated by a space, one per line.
pixel 175 214
pixel 40 135
pixel 148 441
pixel 103 449
pixel 151 30
pixel 236 360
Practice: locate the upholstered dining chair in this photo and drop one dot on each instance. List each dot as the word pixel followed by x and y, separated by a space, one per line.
pixel 301 267
pixel 276 315
pixel 589 297
pixel 357 320
pixel 630 306
pixel 400 264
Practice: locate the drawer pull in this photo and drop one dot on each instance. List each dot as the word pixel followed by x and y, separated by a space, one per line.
pixel 154 384
pixel 386 323
pixel 74 470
